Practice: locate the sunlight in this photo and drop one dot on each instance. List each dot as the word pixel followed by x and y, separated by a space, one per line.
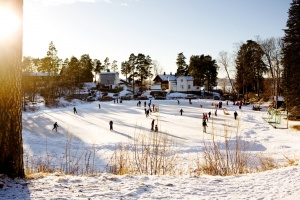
pixel 9 23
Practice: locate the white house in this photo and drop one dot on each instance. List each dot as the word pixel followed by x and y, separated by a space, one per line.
pixel 173 83
pixel 110 79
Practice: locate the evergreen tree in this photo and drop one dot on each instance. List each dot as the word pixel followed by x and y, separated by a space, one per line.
pixel 182 67
pixel 204 70
pixel 106 63
pixel 86 68
pixel 250 68
pixel 114 66
pixel 125 69
pixel 291 60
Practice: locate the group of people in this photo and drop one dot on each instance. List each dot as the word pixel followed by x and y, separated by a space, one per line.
pixel 147 111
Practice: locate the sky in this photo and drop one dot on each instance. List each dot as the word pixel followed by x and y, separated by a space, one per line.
pixel 158 28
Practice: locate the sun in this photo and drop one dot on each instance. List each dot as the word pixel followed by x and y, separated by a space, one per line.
pixel 9 23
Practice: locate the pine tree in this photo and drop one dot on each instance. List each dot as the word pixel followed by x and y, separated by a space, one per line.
pixel 181 65
pixel 291 60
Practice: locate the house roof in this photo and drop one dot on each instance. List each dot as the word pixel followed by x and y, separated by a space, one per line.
pixel 167 77
pixel 188 78
pixel 108 73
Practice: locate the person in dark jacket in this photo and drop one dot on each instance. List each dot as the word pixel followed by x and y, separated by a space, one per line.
pixel 152 125
pixel 181 111
pixel 75 111
pixel 55 126
pixel 204 124
pixel 111 125
pixel 235 114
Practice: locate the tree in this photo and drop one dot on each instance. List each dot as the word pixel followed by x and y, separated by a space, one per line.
pixel 106 63
pixel 204 70
pixel 98 67
pixel 182 67
pixel 291 60
pixel 114 66
pixel 11 145
pixel 272 48
pixel 51 65
pixel 132 64
pixel 157 68
pixel 86 68
pixel 125 69
pixel 250 68
pixel 224 60
pixel 143 67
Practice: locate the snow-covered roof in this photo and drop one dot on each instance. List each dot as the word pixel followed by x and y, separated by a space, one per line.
pixel 188 78
pixel 167 77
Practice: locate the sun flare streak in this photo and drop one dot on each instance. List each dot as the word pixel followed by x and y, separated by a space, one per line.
pixel 9 23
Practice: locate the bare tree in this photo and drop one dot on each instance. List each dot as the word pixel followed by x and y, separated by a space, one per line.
pixel 157 68
pixel 11 145
pixel 224 60
pixel 272 48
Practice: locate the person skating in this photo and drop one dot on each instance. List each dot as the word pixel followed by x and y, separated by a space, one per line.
pixel 235 115
pixel 152 125
pixel 55 126
pixel 181 111
pixel 145 104
pixel 209 113
pixel 204 124
pixel 99 106
pixel 111 125
pixel 75 111
pixel 216 112
pixel 178 101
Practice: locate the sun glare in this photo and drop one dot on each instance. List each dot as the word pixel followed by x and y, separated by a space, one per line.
pixel 9 23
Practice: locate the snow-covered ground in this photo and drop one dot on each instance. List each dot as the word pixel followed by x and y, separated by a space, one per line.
pixel 89 129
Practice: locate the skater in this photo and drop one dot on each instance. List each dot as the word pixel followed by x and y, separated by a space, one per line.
pixel 99 106
pixel 181 111
pixel 153 106
pixel 216 112
pixel 55 126
pixel 156 128
pixel 75 111
pixel 139 103
pixel 114 100
pixel 152 125
pixel 111 125
pixel 149 104
pixel 147 113
pixel 209 113
pixel 190 100
pixel 235 115
pixel 204 124
pixel 145 104
pixel 178 102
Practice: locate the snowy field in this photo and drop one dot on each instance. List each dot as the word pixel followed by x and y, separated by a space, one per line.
pixel 89 129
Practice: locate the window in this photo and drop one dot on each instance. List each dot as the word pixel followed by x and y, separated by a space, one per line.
pixel 181 87
pixel 181 80
pixel 189 86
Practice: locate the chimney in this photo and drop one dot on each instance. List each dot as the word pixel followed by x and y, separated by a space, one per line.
pixel 108 70
pixel 171 73
pixel 164 73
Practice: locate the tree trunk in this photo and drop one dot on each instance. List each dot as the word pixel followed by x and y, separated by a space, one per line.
pixel 11 146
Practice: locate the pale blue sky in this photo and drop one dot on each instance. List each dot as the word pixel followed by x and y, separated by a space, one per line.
pixel 158 28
